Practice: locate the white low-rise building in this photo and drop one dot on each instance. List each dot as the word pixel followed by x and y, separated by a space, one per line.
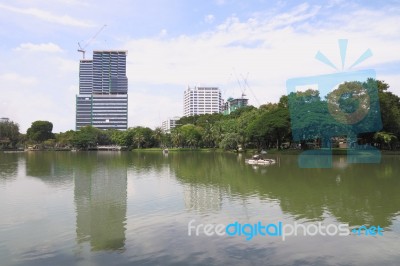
pixel 169 124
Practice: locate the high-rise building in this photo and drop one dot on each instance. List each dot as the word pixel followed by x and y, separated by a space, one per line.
pixel 103 91
pixel 202 100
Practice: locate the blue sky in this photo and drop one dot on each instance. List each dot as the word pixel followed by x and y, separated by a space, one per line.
pixel 176 43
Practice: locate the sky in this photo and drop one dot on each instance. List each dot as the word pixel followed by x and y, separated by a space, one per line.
pixel 179 43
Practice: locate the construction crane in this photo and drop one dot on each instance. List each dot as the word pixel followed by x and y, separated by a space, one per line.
pixel 242 85
pixel 82 48
pixel 247 85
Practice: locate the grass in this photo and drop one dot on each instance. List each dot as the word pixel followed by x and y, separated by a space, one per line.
pixel 335 151
pixel 181 150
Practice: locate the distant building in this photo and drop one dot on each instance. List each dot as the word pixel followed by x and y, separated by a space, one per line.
pixel 103 91
pixel 169 124
pixel 4 120
pixel 201 100
pixel 234 104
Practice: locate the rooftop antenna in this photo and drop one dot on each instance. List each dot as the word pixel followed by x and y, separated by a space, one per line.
pixel 82 48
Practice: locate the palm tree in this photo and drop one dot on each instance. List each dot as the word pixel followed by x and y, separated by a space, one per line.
pixel 138 138
pixel 177 138
pixel 158 135
pixel 208 136
pixel 191 141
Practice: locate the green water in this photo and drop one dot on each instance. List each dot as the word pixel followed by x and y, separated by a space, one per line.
pixel 133 208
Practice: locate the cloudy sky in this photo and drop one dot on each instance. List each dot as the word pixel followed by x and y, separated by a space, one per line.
pixel 173 44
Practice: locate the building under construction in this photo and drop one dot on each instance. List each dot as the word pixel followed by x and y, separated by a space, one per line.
pixel 103 91
pixel 233 104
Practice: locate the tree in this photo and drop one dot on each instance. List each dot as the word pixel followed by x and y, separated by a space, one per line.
pixel 191 134
pixel 158 136
pixel 389 109
pixel 64 138
pixel 278 125
pixel 122 138
pixel 238 112
pixel 385 139
pixel 40 131
pixel 177 137
pixel 86 137
pixel 208 136
pixel 143 137
pixel 139 139
pixel 9 133
pixel 230 141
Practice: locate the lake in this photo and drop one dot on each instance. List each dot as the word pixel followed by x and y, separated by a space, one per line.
pixel 134 208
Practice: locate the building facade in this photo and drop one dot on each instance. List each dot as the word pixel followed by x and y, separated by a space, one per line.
pixel 169 124
pixel 233 104
pixel 103 91
pixel 202 100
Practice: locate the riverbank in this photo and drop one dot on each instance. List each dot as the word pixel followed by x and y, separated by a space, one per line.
pixel 254 151
pixel 214 150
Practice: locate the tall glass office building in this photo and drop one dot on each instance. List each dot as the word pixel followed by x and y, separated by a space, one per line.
pixel 103 91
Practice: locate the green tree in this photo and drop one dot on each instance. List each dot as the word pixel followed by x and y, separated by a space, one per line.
pixel 208 136
pixel 230 141
pixel 122 138
pixel 191 134
pixel 385 139
pixel 389 108
pixel 40 131
pixel 270 125
pixel 86 137
pixel 9 134
pixel 64 138
pixel 143 137
pixel 158 136
pixel 278 125
pixel 177 137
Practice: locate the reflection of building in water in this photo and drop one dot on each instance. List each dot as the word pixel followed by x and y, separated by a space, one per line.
pixel 100 198
pixel 340 162
pixel 53 168
pixel 203 198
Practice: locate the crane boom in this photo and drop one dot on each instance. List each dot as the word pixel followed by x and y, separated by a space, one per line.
pixel 82 48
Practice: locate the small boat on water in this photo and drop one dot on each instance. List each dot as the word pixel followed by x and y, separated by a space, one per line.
pixel 165 151
pixel 258 160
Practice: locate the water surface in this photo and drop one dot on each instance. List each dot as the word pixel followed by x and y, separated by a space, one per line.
pixel 127 208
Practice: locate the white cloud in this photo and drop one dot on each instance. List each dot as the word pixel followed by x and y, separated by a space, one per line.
pixel 39 86
pixel 42 47
pixel 47 16
pixel 209 18
pixel 12 78
pixel 271 50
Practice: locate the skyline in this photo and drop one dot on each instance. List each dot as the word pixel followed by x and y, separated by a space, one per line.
pixel 188 44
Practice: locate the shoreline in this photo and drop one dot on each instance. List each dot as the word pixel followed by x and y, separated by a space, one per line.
pixel 336 151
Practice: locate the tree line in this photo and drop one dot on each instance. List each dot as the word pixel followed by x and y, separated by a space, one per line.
pixel 272 125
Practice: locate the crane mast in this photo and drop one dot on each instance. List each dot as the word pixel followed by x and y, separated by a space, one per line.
pixel 82 48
